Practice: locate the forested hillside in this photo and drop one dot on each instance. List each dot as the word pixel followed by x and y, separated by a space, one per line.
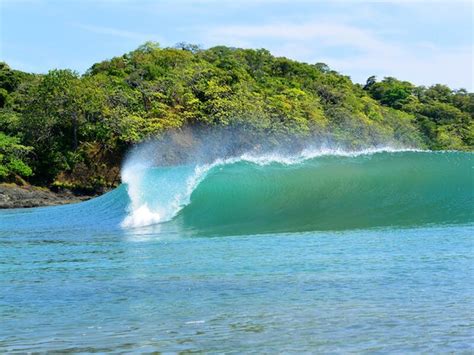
pixel 64 129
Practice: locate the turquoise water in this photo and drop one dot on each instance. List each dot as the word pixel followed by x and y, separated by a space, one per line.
pixel 326 253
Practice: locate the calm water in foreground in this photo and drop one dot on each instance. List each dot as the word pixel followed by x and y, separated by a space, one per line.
pixel 387 290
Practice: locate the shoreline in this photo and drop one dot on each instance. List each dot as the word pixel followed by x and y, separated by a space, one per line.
pixel 28 196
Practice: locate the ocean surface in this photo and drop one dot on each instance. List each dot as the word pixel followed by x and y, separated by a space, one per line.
pixel 323 251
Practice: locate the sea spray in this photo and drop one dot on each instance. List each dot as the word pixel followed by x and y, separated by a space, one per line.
pixel 133 174
pixel 157 193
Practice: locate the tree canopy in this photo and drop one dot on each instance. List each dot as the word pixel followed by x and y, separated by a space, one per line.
pixel 71 129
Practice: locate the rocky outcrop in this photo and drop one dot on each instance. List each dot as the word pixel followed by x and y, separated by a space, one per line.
pixel 13 196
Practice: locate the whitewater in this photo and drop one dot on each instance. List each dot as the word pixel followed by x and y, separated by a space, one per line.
pixel 318 250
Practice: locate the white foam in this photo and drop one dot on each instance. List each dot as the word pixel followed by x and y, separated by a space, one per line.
pixel 196 322
pixel 139 213
pixel 141 216
pixel 311 153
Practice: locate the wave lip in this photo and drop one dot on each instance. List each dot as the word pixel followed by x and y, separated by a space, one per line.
pixel 138 173
pixel 317 189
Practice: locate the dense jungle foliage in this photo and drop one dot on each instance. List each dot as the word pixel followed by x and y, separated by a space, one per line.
pixel 66 129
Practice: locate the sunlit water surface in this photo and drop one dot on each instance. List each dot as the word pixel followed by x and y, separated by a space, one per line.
pixel 406 290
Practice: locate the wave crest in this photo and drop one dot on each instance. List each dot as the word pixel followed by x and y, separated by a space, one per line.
pixel 158 194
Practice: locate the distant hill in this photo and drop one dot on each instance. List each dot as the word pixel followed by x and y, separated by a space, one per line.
pixel 69 130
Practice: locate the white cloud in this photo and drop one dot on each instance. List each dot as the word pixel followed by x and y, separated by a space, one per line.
pixel 327 34
pixel 115 32
pixel 416 64
pixel 355 51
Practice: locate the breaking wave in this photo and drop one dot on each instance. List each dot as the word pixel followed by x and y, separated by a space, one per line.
pixel 322 189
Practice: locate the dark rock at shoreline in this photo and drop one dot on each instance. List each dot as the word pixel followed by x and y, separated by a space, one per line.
pixel 13 196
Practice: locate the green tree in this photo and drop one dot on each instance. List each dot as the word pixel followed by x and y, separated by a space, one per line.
pixel 12 158
pixel 390 91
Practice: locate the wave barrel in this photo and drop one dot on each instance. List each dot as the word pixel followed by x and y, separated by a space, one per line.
pixel 396 189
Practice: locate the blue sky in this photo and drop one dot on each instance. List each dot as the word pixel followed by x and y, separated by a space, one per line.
pixel 425 42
